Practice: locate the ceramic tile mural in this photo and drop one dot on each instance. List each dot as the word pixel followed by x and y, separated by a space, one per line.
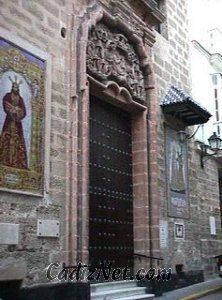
pixel 177 178
pixel 22 77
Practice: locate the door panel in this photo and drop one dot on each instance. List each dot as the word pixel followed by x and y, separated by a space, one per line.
pixel 111 199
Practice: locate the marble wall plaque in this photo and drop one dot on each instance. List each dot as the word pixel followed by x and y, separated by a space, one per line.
pixel 212 222
pixel 9 234
pixel 163 234
pixel 48 228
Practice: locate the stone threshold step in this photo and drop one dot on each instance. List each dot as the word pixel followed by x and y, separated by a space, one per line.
pixel 113 294
pixel 139 297
pixel 113 284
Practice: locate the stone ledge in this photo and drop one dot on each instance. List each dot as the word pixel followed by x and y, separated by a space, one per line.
pixel 13 272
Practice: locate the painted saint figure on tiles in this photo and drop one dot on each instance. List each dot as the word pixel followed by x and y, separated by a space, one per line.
pixel 177 180
pixel 12 143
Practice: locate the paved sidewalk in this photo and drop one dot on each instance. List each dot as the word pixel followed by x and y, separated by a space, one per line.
pixel 194 291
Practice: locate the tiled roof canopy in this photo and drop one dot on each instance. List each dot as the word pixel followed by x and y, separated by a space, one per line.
pixel 180 105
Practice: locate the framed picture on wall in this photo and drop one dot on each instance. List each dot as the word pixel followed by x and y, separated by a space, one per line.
pixel 23 110
pixel 179 230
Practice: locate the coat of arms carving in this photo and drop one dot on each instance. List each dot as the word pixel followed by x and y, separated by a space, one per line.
pixel 110 56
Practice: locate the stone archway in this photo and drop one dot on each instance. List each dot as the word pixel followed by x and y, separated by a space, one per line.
pixel 116 76
pixel 133 96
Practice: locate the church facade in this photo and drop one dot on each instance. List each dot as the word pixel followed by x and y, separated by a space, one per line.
pixel 93 95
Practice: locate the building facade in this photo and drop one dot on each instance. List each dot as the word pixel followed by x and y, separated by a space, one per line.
pixel 208 55
pixel 84 81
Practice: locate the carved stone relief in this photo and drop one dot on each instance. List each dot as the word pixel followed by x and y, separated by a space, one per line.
pixel 110 56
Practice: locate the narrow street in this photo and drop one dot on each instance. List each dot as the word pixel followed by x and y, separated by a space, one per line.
pixel 216 296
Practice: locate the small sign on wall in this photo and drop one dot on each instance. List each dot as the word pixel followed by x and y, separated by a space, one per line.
pixel 48 228
pixel 212 225
pixel 179 231
pixel 163 234
pixel 9 234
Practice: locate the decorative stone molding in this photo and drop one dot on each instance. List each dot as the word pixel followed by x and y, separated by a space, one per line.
pixel 113 87
pixel 116 95
pixel 139 39
pixel 110 56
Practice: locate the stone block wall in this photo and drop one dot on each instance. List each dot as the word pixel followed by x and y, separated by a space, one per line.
pixel 171 67
pixel 39 24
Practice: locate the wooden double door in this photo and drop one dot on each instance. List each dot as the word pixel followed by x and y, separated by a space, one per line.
pixel 110 190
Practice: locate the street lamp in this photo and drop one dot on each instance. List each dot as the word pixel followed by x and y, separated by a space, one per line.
pixel 182 136
pixel 215 143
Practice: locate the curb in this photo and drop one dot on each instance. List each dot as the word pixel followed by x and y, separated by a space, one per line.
pixel 202 293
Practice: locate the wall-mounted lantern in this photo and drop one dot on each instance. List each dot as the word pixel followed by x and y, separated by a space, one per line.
pixel 215 143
